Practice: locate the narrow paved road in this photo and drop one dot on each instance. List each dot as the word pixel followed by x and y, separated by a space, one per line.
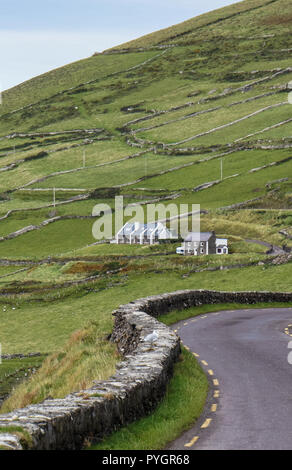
pixel 271 249
pixel 245 354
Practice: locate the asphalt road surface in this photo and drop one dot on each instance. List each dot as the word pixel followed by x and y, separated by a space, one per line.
pixel 245 355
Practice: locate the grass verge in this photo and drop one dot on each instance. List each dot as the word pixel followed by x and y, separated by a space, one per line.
pixel 85 358
pixel 181 407
pixel 24 436
pixel 13 371
pixel 178 315
pixel 185 397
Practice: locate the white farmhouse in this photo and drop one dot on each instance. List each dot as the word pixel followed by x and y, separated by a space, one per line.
pixel 144 234
pixel 203 243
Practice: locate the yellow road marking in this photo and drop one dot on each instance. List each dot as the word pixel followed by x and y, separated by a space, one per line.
pixel 205 316
pixel 214 408
pixel 185 324
pixel 210 372
pixel 196 355
pixel 206 423
pixel 216 394
pixel 205 363
pixel 192 442
pixel 187 348
pixel 216 382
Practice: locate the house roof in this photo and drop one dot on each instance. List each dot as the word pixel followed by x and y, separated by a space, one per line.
pixel 128 228
pixel 154 227
pixel 137 229
pixel 198 236
pixel 221 242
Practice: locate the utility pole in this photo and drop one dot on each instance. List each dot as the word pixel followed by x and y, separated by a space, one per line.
pixel 84 158
pixel 221 169
pixel 54 197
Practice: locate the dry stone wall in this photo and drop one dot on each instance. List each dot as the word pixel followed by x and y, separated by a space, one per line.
pixel 138 385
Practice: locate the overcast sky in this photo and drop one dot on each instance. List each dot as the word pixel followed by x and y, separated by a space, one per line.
pixel 40 35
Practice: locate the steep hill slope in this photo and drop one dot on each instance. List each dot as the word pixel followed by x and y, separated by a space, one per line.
pixel 197 113
pixel 252 16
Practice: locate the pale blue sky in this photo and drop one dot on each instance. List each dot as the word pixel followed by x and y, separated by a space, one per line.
pixel 37 35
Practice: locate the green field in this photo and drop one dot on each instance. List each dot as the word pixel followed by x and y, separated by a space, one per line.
pixel 205 101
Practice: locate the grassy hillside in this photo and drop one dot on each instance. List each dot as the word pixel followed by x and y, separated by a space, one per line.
pixel 221 19
pixel 158 117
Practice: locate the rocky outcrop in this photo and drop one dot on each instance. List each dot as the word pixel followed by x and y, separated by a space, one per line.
pixel 282 259
pixel 21 356
pixel 138 385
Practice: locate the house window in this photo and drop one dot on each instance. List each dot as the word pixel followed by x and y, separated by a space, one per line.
pixel 202 243
pixel 219 250
pixel 202 250
pixel 225 251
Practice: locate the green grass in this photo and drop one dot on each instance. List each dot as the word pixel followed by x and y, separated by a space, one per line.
pixel 244 247
pixel 126 250
pixel 44 324
pixel 96 154
pixel 239 189
pixel 179 315
pixel 247 224
pixel 188 386
pixel 113 175
pixel 194 24
pixel 6 270
pixel 87 356
pixel 215 52
pixel 54 239
pixel 61 79
pixel 197 125
pixel 14 371
pixel 235 163
pixel 24 437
